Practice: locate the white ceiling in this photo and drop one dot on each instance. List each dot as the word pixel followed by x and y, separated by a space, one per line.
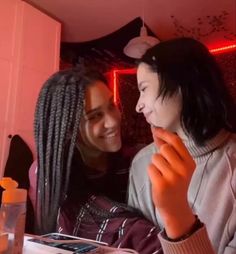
pixel 211 21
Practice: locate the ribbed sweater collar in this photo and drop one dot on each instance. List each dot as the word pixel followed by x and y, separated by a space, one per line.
pixel 199 153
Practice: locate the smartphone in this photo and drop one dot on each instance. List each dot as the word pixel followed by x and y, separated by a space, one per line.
pixel 58 240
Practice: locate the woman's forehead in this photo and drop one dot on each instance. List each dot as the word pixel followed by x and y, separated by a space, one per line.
pixel 96 95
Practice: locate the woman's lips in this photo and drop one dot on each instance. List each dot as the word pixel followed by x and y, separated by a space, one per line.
pixel 111 135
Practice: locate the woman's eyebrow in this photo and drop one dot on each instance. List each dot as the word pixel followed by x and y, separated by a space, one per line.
pixel 99 107
pixel 141 83
pixel 92 110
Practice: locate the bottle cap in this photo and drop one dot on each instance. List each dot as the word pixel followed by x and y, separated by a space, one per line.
pixel 11 193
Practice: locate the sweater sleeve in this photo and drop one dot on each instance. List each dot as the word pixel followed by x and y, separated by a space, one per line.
pixel 132 192
pixel 138 178
pixel 197 243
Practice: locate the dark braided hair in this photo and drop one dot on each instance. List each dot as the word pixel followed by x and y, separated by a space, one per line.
pixel 57 118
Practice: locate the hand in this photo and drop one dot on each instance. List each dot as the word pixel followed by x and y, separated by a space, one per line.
pixel 170 173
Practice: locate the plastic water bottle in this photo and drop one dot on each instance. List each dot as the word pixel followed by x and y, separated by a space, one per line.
pixel 13 213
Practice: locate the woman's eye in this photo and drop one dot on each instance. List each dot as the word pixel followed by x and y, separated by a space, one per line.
pixel 94 116
pixel 143 89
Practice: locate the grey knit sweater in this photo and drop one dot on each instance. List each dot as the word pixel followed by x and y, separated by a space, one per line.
pixel 211 194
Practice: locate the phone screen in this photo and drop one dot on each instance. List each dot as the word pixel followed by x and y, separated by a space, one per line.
pixel 74 247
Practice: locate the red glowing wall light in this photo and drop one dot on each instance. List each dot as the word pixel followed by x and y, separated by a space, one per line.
pixel 223 49
pixel 114 74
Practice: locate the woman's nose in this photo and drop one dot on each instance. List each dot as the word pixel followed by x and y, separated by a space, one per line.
pixel 139 107
pixel 112 120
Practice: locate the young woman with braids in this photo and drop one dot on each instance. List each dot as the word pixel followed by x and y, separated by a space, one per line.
pixel 81 170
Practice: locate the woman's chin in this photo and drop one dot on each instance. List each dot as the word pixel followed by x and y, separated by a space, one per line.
pixel 155 126
pixel 112 148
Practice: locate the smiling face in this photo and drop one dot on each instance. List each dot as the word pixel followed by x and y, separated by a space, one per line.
pixel 100 124
pixel 158 112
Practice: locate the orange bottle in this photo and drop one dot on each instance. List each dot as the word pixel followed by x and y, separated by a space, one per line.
pixel 13 213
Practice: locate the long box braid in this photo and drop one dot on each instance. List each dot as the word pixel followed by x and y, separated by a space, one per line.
pixel 57 117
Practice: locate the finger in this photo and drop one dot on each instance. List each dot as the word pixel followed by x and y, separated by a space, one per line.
pixel 179 166
pixel 163 166
pixel 158 142
pixel 172 157
pixel 154 174
pixel 175 141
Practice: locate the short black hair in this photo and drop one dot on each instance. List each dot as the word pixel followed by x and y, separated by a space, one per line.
pixel 185 64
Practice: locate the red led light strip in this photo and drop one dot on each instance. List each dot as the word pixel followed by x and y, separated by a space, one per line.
pixel 114 79
pixel 223 49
